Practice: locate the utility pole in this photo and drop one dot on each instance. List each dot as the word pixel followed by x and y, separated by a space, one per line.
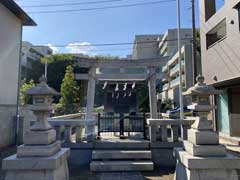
pixel 179 59
pixel 46 68
pixel 194 44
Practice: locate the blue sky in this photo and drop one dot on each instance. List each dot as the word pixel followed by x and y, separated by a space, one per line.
pixel 102 26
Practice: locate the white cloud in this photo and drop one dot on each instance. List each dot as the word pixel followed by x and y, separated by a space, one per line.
pixel 80 48
pixel 54 49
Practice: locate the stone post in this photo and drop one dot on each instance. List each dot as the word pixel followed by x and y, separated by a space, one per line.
pixel 164 133
pixel 90 121
pixel 58 132
pixel 79 133
pixel 184 131
pixel 68 134
pixel 202 157
pixel 41 156
pixel 152 92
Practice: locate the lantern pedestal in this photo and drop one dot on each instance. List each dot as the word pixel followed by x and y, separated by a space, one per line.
pixel 37 168
pixel 39 137
pixel 191 167
pixel 38 150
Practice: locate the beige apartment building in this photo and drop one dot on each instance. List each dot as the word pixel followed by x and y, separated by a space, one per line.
pixel 220 47
pixel 146 46
pixel 168 46
pixel 154 46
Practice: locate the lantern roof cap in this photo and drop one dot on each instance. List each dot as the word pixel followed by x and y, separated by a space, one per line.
pixel 42 88
pixel 201 88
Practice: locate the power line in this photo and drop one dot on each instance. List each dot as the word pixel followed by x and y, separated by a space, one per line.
pixel 70 4
pixel 105 44
pixel 101 8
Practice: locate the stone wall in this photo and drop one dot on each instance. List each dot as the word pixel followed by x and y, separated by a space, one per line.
pixel 10 38
pixel 8 124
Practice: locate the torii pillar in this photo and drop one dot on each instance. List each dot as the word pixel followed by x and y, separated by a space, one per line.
pixel 152 100
pixel 152 92
pixel 89 119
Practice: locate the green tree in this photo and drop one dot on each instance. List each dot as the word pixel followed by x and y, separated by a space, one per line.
pixel 25 86
pixel 69 91
pixel 143 99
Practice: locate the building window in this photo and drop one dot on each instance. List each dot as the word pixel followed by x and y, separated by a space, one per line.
pixel 212 6
pixel 217 34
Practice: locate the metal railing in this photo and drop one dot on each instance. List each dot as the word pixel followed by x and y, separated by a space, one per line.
pixel 122 125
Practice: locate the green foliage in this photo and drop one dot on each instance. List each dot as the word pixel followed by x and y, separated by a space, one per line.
pixel 35 72
pixel 198 41
pixel 99 95
pixel 99 109
pixel 106 57
pixel 57 65
pixel 56 57
pixel 143 99
pixel 24 99
pixel 69 92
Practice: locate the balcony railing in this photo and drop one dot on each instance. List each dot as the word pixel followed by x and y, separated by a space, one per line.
pixel 169 130
pixel 165 87
pixel 175 69
pixel 176 81
pixel 165 68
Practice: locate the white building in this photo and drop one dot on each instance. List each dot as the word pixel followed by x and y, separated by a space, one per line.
pixel 168 46
pixel 146 46
pixel 155 46
pixel 12 19
pixel 32 53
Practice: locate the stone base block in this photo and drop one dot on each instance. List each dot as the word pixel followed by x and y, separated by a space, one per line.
pixel 205 168
pixel 45 168
pixel 183 173
pixel 38 151
pixel 204 150
pixel 40 137
pixel 202 137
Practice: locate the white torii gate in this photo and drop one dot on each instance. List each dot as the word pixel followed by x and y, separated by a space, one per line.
pixel 151 76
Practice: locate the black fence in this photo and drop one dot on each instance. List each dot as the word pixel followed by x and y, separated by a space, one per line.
pixel 122 125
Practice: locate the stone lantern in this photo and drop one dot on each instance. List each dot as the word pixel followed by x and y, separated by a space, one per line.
pixel 201 105
pixel 42 104
pixel 202 157
pixel 41 156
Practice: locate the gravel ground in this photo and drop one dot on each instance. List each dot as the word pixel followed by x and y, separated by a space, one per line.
pixel 83 173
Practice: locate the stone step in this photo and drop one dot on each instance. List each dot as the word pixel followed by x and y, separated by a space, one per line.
pixel 128 145
pixel 120 154
pixel 117 166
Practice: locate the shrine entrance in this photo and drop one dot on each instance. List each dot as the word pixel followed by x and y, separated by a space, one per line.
pixel 130 72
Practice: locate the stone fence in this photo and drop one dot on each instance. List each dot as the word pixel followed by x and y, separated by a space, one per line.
pixel 169 130
pixel 69 128
pixel 165 135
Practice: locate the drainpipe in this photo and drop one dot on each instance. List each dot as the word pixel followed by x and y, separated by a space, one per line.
pixel 18 89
